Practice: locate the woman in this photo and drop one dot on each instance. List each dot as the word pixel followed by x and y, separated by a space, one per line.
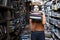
pixel 37 28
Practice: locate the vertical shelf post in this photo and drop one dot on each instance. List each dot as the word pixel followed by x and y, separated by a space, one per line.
pixel 8 24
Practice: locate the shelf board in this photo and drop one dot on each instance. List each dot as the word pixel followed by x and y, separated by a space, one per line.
pixel 57 35
pixel 16 1
pixel 55 17
pixel 52 36
pixel 6 8
pixel 55 25
pixel 2 21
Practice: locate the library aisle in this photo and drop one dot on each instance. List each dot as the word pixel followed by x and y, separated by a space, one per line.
pixel 15 15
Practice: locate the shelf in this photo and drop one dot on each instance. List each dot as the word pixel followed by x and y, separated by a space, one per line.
pixel 57 35
pixel 16 1
pixel 6 8
pixel 2 21
pixel 55 17
pixel 53 36
pixel 55 25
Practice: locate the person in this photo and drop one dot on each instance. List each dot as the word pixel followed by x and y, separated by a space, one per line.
pixel 37 28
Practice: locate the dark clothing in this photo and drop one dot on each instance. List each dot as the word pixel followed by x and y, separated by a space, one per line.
pixel 37 35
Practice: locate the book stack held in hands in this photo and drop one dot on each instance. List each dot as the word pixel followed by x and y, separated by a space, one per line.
pixel 36 17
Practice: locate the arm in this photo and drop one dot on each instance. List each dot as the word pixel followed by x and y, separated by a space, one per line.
pixel 43 19
pixel 30 21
